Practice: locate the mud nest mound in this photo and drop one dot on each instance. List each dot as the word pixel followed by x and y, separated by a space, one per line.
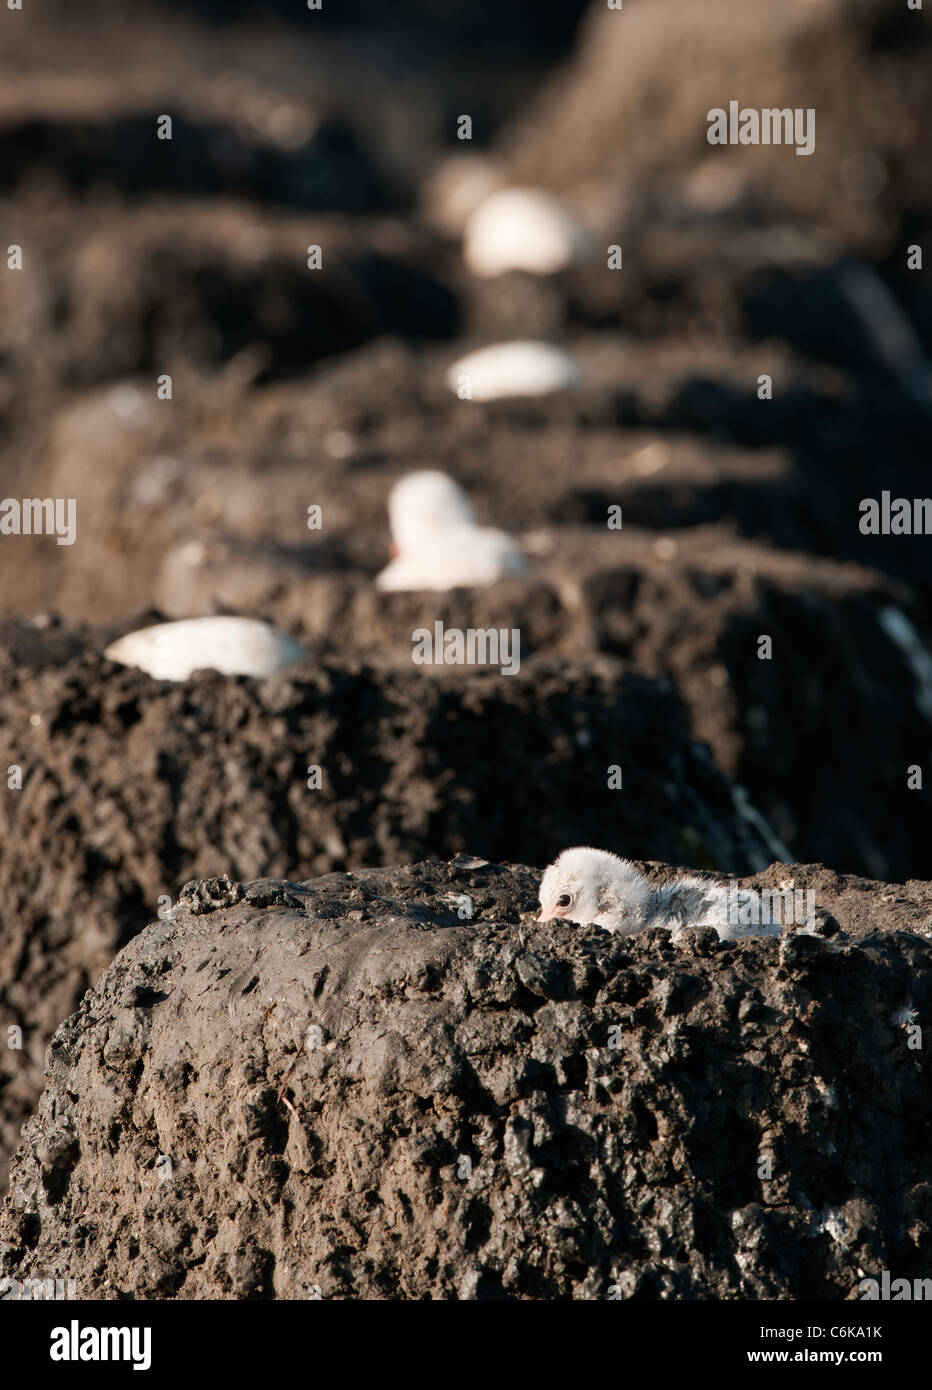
pixel 130 787
pixel 394 1084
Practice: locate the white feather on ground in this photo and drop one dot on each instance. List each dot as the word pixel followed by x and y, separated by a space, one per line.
pixel 233 646
pixel 586 886
pixel 438 542
pixel 513 369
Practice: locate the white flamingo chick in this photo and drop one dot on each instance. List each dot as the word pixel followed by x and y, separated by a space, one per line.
pixel 586 885
pixel 233 646
pixel 437 541
pixel 508 370
pixel 524 229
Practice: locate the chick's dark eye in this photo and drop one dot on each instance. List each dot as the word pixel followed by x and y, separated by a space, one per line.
pixel 564 900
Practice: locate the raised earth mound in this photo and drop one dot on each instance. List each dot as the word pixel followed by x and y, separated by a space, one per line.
pixel 865 167
pixel 131 786
pixel 395 1084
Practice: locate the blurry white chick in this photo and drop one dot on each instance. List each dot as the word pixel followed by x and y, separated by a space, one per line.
pixel 513 369
pixel 524 229
pixel 233 646
pixel 438 543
